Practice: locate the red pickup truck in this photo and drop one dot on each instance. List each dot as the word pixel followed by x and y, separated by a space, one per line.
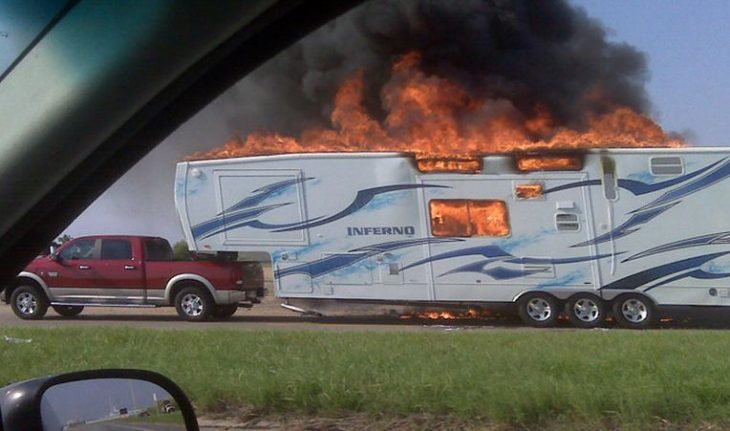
pixel 132 271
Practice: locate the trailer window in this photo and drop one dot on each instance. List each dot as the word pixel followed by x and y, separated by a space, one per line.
pixel 566 222
pixel 529 191
pixel 465 218
pixel 549 162
pixel 666 166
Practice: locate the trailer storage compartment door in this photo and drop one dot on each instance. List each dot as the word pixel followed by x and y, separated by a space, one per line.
pixel 261 207
pixel 510 234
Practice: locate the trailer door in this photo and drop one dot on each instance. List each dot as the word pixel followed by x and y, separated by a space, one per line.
pixel 509 234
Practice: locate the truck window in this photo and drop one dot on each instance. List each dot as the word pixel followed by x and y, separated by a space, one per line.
pixel 80 249
pixel 465 218
pixel 157 250
pixel 116 249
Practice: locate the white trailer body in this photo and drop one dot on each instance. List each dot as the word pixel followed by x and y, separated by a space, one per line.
pixel 365 226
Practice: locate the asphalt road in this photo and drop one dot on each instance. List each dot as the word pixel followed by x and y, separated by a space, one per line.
pixel 270 315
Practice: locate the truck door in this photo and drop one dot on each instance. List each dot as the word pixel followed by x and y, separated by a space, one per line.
pixel 73 270
pixel 111 274
pixel 510 234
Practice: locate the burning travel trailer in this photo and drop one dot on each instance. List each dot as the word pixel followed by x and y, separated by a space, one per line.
pixel 466 154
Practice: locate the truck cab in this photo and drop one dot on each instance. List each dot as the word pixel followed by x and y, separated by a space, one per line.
pixel 131 271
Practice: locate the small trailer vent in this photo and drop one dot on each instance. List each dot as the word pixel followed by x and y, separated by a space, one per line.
pixel 566 222
pixel 666 166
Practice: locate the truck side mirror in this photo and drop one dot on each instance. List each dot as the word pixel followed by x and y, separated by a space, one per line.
pixel 53 253
pixel 133 399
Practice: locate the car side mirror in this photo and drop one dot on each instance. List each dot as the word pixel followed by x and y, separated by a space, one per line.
pixel 99 399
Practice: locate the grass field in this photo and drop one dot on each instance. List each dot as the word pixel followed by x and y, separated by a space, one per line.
pixel 630 379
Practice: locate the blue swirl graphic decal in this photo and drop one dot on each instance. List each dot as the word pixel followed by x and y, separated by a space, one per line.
pixel 628 227
pixel 696 274
pixel 713 238
pixel 636 187
pixel 244 213
pixel 229 221
pixel 642 278
pixel 342 260
pixel 713 177
pixel 492 254
pixel 263 193
pixel 362 198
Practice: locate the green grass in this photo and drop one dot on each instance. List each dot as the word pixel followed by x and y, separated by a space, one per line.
pixel 525 377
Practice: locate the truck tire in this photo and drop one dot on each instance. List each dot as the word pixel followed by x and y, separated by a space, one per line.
pixel 29 302
pixel 194 304
pixel 68 310
pixel 224 311
pixel 586 310
pixel 538 309
pixel 633 311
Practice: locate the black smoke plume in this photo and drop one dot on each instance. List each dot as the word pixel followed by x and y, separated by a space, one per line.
pixel 528 53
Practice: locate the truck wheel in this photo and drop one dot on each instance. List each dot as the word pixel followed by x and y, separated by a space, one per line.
pixel 586 310
pixel 224 311
pixel 633 311
pixel 29 302
pixel 538 309
pixel 194 304
pixel 68 310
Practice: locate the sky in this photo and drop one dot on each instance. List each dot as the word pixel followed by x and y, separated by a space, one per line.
pixel 687 44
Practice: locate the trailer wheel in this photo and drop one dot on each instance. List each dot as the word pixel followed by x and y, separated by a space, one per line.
pixel 29 302
pixel 538 309
pixel 194 304
pixel 224 311
pixel 586 310
pixel 633 311
pixel 68 310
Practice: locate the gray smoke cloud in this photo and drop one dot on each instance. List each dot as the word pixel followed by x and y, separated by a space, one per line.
pixel 520 53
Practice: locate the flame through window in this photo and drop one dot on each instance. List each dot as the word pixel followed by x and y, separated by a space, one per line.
pixel 465 218
pixel 529 191
pixel 549 162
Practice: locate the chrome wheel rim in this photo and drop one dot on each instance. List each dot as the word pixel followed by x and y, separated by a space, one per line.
pixel 586 310
pixel 539 309
pixel 192 305
pixel 634 310
pixel 26 303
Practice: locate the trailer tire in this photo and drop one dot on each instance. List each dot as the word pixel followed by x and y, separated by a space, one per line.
pixel 586 310
pixel 538 309
pixel 194 304
pixel 224 311
pixel 29 302
pixel 68 310
pixel 634 311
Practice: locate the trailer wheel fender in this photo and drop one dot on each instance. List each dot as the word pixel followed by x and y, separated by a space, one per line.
pixel 181 280
pixel 26 277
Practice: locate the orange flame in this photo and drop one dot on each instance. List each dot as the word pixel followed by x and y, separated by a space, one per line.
pixel 434 118
pixel 549 162
pixel 464 218
pixel 470 314
pixel 529 191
